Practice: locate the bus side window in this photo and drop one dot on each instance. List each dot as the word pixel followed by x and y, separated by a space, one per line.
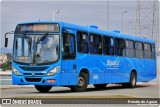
pixel 95 44
pixel 130 48
pixel 139 49
pixel 108 46
pixel 119 47
pixel 82 42
pixel 68 46
pixel 147 51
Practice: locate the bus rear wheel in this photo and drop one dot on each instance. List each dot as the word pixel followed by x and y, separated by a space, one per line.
pixel 43 89
pixel 132 82
pixel 100 86
pixel 82 83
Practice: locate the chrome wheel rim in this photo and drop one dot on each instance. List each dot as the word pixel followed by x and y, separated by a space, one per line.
pixel 133 80
pixel 81 82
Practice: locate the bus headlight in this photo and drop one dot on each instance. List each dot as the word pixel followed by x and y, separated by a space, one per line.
pixel 53 71
pixel 16 72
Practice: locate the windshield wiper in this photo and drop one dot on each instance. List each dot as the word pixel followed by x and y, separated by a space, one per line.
pixel 43 37
pixel 36 55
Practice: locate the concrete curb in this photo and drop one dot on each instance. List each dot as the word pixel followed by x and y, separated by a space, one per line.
pixel 5 73
pixel 15 86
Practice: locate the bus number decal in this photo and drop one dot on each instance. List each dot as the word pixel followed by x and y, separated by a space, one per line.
pixel 95 77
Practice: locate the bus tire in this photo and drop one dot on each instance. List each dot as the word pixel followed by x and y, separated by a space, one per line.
pixel 82 83
pixel 100 86
pixel 132 82
pixel 43 89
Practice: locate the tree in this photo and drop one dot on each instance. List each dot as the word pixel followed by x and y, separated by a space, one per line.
pixel 4 66
pixel 8 64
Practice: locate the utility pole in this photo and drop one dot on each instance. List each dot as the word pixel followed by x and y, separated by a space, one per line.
pixel 108 14
pixel 129 27
pixel 57 11
pixel 157 31
pixel 137 32
pixel 148 14
pixel 122 20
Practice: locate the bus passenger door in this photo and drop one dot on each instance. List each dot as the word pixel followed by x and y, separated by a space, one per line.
pixel 69 76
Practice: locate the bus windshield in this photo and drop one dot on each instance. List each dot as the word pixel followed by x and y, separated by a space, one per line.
pixel 36 49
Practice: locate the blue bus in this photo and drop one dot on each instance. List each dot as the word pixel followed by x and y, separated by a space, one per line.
pixel 48 53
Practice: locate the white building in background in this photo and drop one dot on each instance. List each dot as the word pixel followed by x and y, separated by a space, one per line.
pixel 3 58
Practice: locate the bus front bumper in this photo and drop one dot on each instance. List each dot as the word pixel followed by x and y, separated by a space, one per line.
pixel 36 80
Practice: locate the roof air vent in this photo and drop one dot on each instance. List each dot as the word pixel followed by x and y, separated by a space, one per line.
pixel 93 26
pixel 116 31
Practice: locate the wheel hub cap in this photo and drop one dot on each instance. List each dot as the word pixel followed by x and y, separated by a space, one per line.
pixel 80 82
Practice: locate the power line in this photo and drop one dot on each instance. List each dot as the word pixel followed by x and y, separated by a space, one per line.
pixel 147 14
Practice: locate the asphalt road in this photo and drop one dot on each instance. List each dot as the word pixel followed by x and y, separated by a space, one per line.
pixel 143 90
pixel 5 80
pixel 113 95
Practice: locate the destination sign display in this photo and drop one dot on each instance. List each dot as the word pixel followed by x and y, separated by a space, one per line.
pixel 37 28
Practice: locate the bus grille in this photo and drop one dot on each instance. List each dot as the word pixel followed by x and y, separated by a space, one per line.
pixel 33 79
pixel 35 74
pixel 27 68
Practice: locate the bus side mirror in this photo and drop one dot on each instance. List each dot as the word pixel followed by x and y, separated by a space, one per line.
pixel 6 39
pixel 6 42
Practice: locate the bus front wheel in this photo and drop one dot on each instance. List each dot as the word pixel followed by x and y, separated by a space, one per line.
pixel 132 82
pixel 82 83
pixel 43 89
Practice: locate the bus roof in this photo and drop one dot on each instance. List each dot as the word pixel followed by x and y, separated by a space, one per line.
pixel 94 30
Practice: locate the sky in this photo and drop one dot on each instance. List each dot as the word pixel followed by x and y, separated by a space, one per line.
pixel 75 11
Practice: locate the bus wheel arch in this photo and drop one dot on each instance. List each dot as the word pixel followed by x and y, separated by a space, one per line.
pixel 82 81
pixel 132 80
pixel 84 70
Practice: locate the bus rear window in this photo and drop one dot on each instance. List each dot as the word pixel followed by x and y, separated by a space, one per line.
pixel 153 51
